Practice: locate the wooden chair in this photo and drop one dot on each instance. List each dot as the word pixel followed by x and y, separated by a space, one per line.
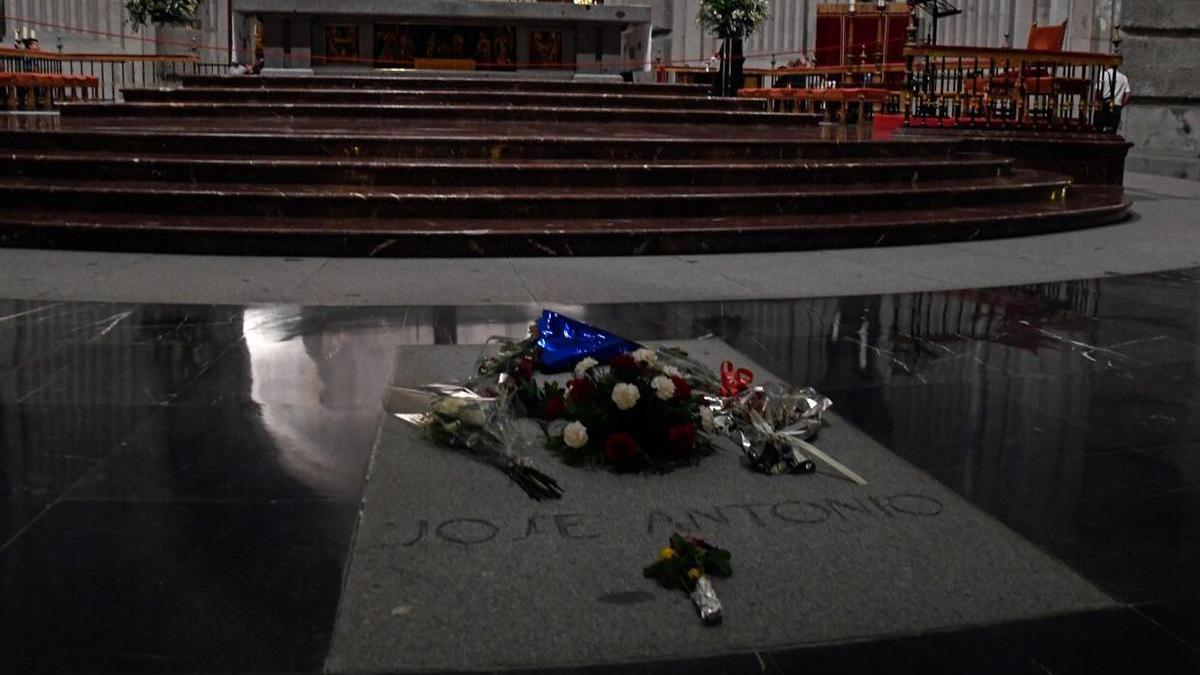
pixel 39 89
pixel 81 87
pixel 43 90
pixel 1011 89
pixel 1039 83
pixel 8 85
pixel 1047 38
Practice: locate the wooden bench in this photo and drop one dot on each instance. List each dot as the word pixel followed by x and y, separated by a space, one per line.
pixel 34 91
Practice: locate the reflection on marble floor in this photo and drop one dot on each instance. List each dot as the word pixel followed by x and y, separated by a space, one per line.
pixel 220 452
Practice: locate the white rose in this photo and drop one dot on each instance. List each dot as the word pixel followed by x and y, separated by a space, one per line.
pixel 575 435
pixel 471 411
pixel 585 365
pixel 645 356
pixel 664 388
pixel 625 396
pixel 706 418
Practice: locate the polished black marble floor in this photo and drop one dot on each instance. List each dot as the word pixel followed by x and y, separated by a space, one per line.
pixel 179 484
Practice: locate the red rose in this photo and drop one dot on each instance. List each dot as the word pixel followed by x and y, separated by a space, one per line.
pixel 620 448
pixel 682 388
pixel 580 389
pixel 555 407
pixel 623 366
pixel 525 368
pixel 681 439
pixel 623 361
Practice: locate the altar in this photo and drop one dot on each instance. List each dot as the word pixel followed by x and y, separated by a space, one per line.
pixel 869 57
pixel 442 35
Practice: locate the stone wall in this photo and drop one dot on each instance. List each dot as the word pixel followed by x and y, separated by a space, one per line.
pixel 210 37
pixel 678 40
pixel 100 27
pixel 86 26
pixel 1161 46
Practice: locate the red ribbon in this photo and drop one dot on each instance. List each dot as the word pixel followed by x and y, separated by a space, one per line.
pixel 734 382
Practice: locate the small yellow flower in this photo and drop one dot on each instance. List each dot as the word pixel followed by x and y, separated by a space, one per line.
pixel 694 574
pixel 667 553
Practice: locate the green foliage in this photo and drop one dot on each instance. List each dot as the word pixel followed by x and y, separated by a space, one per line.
pixel 161 12
pixel 689 554
pixel 728 19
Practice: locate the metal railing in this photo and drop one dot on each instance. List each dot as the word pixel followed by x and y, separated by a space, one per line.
pixel 114 71
pixel 1007 88
pixel 889 76
pixel 822 83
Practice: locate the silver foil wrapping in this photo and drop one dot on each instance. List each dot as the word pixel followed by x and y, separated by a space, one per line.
pixel 708 605
pixel 774 453
pixel 770 419
pixel 796 413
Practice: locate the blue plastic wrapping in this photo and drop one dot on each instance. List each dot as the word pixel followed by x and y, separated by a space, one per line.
pixel 565 342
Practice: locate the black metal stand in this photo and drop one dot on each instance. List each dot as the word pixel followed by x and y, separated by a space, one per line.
pixel 732 67
pixel 938 10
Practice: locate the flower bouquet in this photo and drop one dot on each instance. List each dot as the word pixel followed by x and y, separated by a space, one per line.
pixel 622 405
pixel 732 18
pixel 770 421
pixel 630 413
pixel 686 565
pixel 459 417
pixel 637 409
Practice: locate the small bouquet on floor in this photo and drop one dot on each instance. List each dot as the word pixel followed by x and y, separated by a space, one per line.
pixel 686 565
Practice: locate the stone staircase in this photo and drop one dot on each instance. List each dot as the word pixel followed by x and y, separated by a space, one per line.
pixel 461 166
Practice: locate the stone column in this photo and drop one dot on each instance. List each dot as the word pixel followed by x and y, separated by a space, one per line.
pixel 1022 20
pixel 1081 31
pixel 1161 41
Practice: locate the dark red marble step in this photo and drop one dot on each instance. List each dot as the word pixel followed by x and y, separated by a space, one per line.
pixel 578 173
pixel 445 97
pixel 1089 158
pixel 417 142
pixel 183 233
pixel 505 202
pixel 481 113
pixel 450 125
pixel 497 84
